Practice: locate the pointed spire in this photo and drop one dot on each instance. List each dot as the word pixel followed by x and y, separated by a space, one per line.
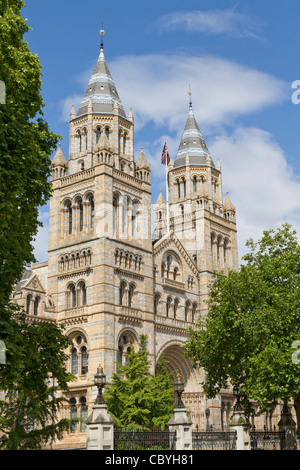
pixel 142 162
pixel 101 89
pixel 192 142
pixel 228 206
pixel 72 113
pixel 59 159
pixel 160 200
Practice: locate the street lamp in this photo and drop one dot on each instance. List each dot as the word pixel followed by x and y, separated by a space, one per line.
pixel 100 382
pixel 237 394
pixel 179 389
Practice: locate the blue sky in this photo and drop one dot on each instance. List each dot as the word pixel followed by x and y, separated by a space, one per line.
pixel 240 58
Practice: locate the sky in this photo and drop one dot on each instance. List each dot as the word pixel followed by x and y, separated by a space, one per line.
pixel 241 61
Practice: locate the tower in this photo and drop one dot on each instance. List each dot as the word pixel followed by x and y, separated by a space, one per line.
pixel 100 272
pixel 204 224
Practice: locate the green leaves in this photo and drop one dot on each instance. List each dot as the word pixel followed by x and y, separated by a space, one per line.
pixel 138 397
pixel 253 319
pixel 26 144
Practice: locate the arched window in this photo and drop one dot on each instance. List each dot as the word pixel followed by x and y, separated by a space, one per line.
pixel 119 358
pixel 156 303
pixel 71 301
pixel 126 342
pixel 70 217
pixel 107 132
pixel 92 212
pixel 130 295
pixel 28 303
pixel 178 188
pixel 73 414
pixel 184 188
pixel 187 309
pixel 80 215
pixel 36 306
pixel 98 134
pixel 194 312
pixel 83 413
pixel 122 293
pixel 168 306
pixel 74 362
pixel 81 293
pixel 84 361
pixel 195 184
pixel 176 303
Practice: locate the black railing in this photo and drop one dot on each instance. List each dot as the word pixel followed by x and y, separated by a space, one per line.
pixel 267 440
pixel 145 439
pixel 218 440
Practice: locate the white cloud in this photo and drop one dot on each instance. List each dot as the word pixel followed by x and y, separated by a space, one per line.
pixel 212 22
pixel 259 180
pixel 156 87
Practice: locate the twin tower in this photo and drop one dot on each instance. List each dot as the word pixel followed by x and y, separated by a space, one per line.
pixel 109 278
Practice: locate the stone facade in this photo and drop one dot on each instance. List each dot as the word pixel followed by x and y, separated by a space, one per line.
pixel 107 280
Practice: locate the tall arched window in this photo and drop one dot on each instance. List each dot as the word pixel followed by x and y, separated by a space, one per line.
pixel 36 306
pixel 71 301
pixel 81 293
pixel 98 134
pixel 83 413
pixel 73 414
pixel 92 212
pixel 156 303
pixel 168 306
pixel 74 362
pixel 80 215
pixel 178 188
pixel 195 184
pixel 28 303
pixel 84 361
pixel 176 303
pixel 130 295
pixel 122 293
pixel 70 217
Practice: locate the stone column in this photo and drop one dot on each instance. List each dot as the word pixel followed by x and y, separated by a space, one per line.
pixel 100 429
pixel 181 423
pixel 241 425
pixel 287 425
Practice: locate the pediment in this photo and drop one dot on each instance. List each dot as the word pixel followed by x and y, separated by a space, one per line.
pixel 34 284
pixel 169 242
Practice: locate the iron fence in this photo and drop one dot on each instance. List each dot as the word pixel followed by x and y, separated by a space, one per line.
pixel 154 439
pixel 218 440
pixel 267 440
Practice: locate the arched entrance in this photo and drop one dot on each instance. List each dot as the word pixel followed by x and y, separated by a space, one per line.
pixel 193 397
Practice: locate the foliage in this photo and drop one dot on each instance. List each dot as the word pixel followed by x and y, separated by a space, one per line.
pixel 252 323
pixel 26 144
pixel 136 396
pixel 33 371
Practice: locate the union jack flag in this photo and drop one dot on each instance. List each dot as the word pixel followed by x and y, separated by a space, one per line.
pixel 165 156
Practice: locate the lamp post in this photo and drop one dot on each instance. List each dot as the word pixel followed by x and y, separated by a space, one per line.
pixel 179 389
pixel 100 382
pixel 237 394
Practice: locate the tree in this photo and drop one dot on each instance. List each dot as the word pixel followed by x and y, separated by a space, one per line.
pixel 26 144
pixel 253 325
pixel 136 396
pixel 34 370
pixel 35 352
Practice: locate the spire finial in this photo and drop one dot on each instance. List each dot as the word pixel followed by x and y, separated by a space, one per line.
pixel 102 32
pixel 190 95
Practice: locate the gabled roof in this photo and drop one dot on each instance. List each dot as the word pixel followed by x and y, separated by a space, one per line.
pixel 169 240
pixel 101 91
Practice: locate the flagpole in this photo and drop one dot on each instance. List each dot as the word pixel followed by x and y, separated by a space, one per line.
pixel 167 195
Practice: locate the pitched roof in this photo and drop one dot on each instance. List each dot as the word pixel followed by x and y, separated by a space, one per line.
pixel 101 91
pixel 142 161
pixel 59 159
pixel 160 200
pixel 192 143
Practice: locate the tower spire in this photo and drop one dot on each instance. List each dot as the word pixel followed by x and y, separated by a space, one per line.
pixel 190 95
